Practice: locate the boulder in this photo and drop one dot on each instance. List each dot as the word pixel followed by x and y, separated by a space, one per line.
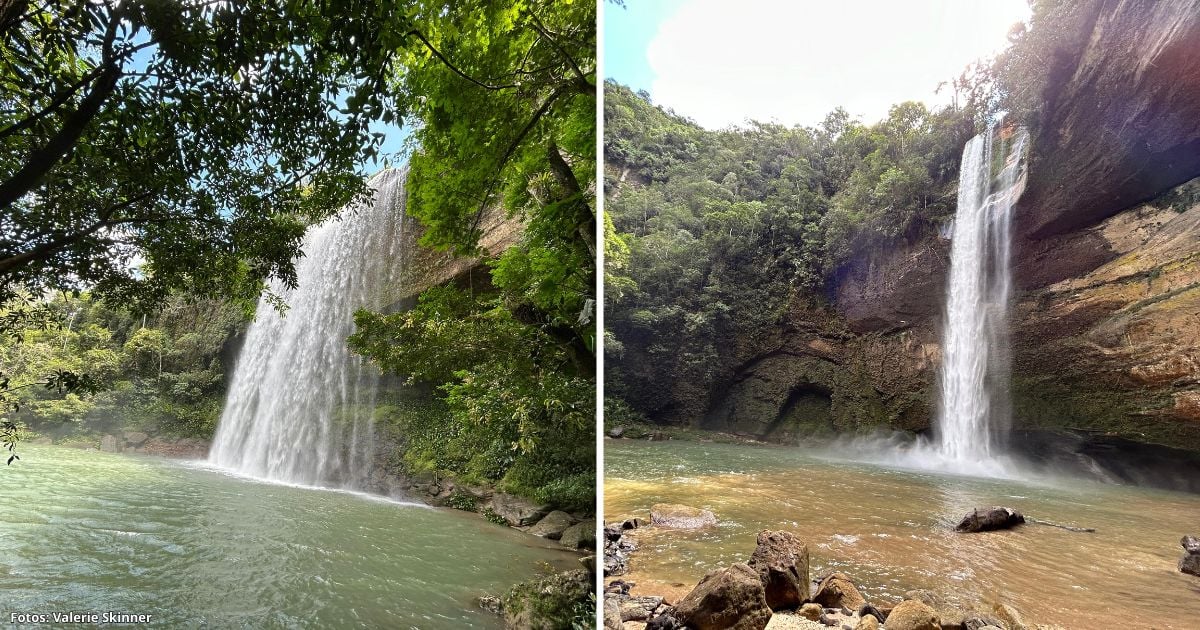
pixel 639 608
pixel 616 432
pixel 837 591
pixel 552 525
pixel 136 438
pixel 867 623
pixel 948 614
pixel 911 614
pixel 810 611
pixel 781 561
pixel 1190 564
pixel 1009 617
pixel 516 511
pixel 109 444
pixel 612 613
pixel 1190 544
pixel 582 535
pixel 732 597
pixel 680 516
pixel 988 519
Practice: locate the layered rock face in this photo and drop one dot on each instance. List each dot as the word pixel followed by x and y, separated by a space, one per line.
pixel 1106 320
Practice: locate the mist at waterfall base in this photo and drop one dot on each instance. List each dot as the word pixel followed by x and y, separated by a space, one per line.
pixel 300 403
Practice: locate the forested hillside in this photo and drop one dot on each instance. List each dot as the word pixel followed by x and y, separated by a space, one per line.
pixel 716 234
pixel 779 282
pixel 162 375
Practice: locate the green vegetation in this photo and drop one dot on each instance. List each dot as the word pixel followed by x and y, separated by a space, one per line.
pixel 161 375
pixel 513 362
pixel 715 234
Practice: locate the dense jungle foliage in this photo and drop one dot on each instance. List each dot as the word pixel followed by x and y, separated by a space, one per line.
pixel 712 235
pixel 513 363
pixel 161 375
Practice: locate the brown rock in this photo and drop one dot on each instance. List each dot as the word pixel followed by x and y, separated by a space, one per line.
pixel 988 519
pixel 911 614
pixel 732 597
pixel 1010 617
pixel 867 623
pixel 836 591
pixel 781 561
pixel 810 611
pixel 680 516
pixel 1190 564
pixel 948 614
pixel 612 612
pixel 1187 405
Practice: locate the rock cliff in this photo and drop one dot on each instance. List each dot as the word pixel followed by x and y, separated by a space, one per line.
pixel 1106 320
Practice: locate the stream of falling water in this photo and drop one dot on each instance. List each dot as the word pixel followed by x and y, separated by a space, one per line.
pixel 973 416
pixel 300 403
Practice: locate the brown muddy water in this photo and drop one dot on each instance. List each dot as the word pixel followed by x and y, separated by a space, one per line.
pixel 891 530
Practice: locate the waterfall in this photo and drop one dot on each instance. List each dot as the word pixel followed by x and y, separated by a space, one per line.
pixel 300 403
pixel 973 418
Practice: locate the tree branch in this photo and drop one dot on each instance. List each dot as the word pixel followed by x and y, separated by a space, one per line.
pixel 508 153
pixel 454 68
pixel 55 103
pixel 10 264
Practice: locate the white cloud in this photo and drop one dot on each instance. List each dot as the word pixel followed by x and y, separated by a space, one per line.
pixel 723 62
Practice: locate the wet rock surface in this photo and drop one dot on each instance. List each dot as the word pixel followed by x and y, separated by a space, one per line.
pixel 680 516
pixel 1190 562
pixel 989 519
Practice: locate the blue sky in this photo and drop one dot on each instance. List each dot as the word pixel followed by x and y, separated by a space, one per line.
pixel 722 63
pixel 627 35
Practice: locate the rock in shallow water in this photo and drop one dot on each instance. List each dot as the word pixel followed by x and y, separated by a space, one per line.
pixel 837 591
pixel 1191 544
pixel 680 516
pixel 1190 564
pixel 911 614
pixel 580 536
pixel 781 561
pixel 552 525
pixel 989 519
pixel 732 598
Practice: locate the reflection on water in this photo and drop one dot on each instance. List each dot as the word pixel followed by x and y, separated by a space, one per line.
pixel 94 531
pixel 892 531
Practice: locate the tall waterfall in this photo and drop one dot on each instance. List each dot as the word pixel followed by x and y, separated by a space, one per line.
pixel 974 414
pixel 300 403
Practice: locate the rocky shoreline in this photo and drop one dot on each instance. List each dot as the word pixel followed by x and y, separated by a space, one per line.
pixel 773 589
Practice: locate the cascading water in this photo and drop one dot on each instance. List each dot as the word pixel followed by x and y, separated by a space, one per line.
pixel 973 417
pixel 300 403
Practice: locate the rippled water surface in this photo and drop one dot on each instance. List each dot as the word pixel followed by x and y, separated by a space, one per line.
pixel 198 548
pixel 892 530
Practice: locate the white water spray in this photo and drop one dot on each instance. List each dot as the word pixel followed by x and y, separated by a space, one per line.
pixel 973 417
pixel 300 403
